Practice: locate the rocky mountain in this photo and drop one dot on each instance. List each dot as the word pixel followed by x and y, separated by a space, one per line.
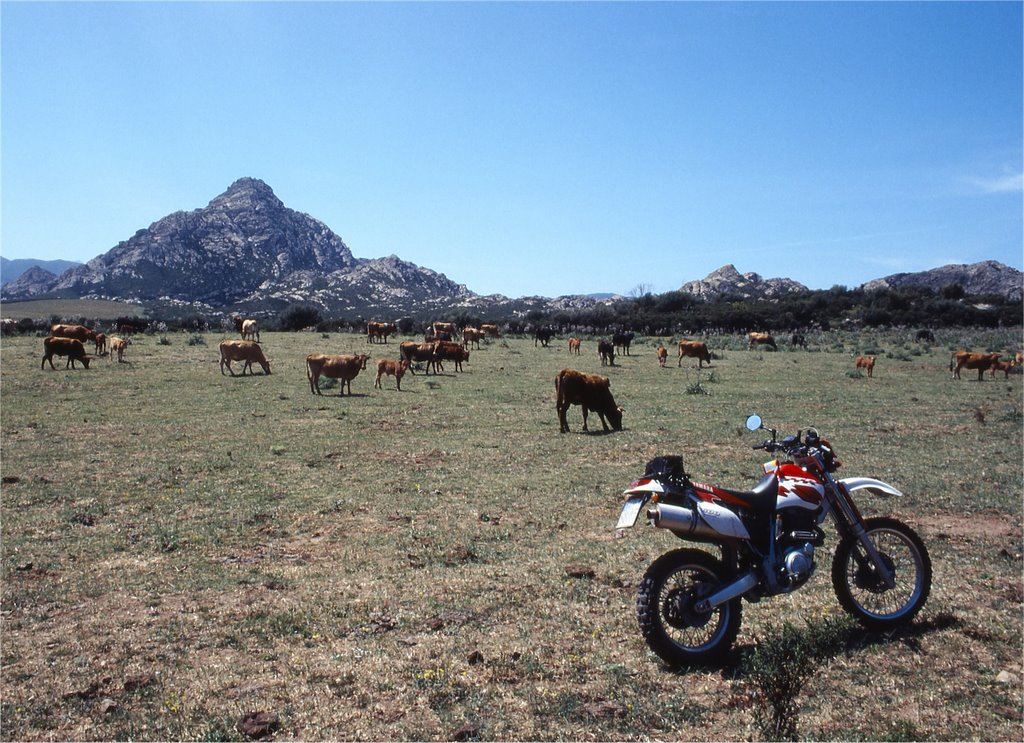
pixel 985 277
pixel 12 269
pixel 246 249
pixel 31 283
pixel 727 280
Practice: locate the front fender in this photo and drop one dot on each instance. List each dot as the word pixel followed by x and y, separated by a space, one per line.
pixel 876 487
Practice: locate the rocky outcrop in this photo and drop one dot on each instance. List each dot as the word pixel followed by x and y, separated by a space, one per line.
pixel 727 280
pixel 985 277
pixel 31 283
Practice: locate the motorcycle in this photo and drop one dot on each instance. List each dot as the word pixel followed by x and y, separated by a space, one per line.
pixel 689 601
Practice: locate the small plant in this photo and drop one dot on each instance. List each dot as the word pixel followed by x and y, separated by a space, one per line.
pixel 696 388
pixel 780 665
pixel 163 341
pixel 196 340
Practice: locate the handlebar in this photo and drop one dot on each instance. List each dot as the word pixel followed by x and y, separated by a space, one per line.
pixel 803 445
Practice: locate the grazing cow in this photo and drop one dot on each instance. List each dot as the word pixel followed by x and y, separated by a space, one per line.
pixel 78 332
pixel 412 351
pixel 543 336
pixel 662 353
pixel 865 362
pixel 8 326
pixel 379 331
pixel 1019 357
pixel 925 335
pixel 238 323
pixel 250 330
pixel 394 369
pixel 491 330
pixel 344 368
pixel 61 346
pixel 128 326
pixel 622 340
pixel 980 361
pixel 574 346
pixel 606 351
pixel 1004 366
pixel 117 347
pixel 765 339
pixel 472 335
pixel 101 344
pixel 798 339
pixel 591 392
pixel 246 351
pixel 694 349
pixel 449 351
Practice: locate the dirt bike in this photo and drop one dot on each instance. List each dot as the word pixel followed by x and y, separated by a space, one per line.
pixel 689 601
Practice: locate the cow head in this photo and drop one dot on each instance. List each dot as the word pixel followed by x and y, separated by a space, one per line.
pixel 615 418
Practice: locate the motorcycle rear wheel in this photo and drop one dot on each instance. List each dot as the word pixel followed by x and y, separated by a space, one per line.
pixel 672 628
pixel 863 593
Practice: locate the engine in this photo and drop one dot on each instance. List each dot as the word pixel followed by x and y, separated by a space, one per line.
pixel 798 534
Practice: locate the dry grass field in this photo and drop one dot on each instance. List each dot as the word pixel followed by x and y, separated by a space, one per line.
pixel 181 548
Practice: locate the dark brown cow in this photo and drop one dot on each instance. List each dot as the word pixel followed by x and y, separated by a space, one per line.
pixel 574 346
pixel 412 351
pixel 246 351
pixel 765 339
pixel 622 341
pixel 345 368
pixel 449 351
pixel 394 369
pixel 78 332
pixel 379 331
pixel 662 353
pixel 606 351
pixel 101 344
pixel 965 359
pixel 696 350
pixel 491 330
pixel 591 392
pixel 865 362
pixel 60 346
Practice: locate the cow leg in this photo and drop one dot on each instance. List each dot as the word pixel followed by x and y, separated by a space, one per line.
pixel 585 411
pixel 376 382
pixel 563 424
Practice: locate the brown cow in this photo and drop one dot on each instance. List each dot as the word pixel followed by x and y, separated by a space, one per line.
pixel 449 351
pixel 70 347
pixel 606 351
pixel 472 335
pixel 442 329
pixel 247 351
pixel 412 351
pixel 756 338
pixel 574 346
pixel 980 361
pixel 118 346
pixel 101 344
pixel 865 362
pixel 591 392
pixel 662 353
pixel 78 332
pixel 250 330
pixel 379 331
pixel 345 368
pixel 394 369
pixel 491 330
pixel 694 349
pixel 1004 366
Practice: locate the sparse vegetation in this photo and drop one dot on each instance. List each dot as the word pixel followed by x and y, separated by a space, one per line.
pixel 181 548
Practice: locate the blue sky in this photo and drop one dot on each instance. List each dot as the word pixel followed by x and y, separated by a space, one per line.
pixel 531 148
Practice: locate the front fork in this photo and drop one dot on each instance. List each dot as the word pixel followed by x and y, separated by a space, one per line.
pixel 850 522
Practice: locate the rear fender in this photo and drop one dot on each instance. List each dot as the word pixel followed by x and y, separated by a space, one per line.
pixel 870 484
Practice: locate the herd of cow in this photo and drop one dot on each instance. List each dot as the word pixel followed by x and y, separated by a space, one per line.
pixel 591 392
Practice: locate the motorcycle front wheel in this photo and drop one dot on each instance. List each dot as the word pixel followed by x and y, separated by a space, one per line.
pixel 862 591
pixel 671 626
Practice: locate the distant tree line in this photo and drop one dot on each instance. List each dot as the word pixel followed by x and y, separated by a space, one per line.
pixel 674 313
